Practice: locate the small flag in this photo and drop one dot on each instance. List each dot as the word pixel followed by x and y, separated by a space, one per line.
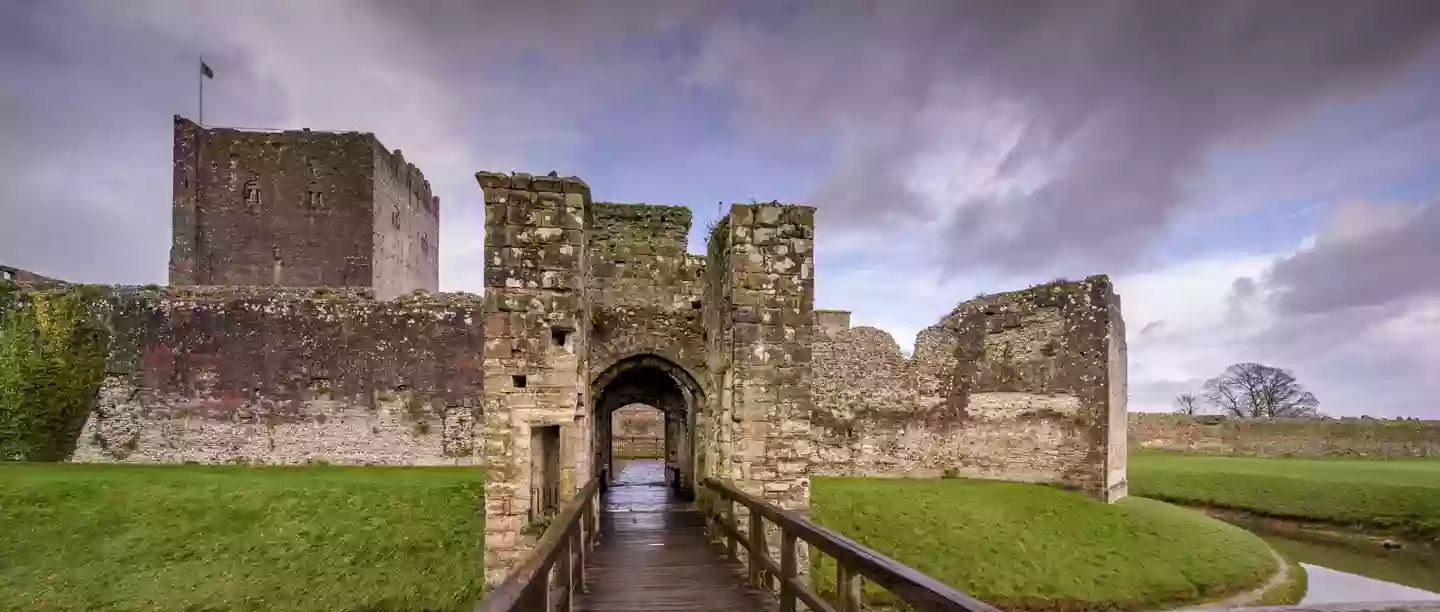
pixel 206 71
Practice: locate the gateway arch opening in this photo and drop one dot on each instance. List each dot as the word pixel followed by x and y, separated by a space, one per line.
pixel 654 382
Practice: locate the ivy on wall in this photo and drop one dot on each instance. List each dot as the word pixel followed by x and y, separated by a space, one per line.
pixel 52 360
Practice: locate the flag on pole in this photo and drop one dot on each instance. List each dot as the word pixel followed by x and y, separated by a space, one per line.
pixel 206 71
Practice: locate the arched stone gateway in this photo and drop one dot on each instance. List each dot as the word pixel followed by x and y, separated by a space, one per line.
pixel 593 306
pixel 661 384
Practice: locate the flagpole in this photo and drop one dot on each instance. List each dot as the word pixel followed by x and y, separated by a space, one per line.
pixel 201 120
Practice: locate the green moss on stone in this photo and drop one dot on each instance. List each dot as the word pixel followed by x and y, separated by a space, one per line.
pixel 52 359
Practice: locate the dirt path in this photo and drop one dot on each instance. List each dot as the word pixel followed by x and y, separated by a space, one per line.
pixel 1253 596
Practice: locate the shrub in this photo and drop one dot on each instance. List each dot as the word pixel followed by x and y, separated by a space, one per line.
pixel 52 359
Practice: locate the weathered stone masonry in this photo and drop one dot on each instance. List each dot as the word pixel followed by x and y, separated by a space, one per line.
pixel 588 307
pixel 763 270
pixel 271 345
pixel 1028 386
pixel 300 208
pixel 646 311
pixel 537 322
pixel 256 375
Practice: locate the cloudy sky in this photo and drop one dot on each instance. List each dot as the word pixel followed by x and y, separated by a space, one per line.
pixel 1260 179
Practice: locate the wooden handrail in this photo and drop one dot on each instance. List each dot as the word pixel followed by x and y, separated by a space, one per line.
pixel 852 559
pixel 568 538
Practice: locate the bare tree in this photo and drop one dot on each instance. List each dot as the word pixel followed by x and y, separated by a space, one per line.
pixel 1187 403
pixel 1257 391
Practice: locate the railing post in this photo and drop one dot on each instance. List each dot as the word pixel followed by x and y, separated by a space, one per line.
pixel 702 498
pixel 584 540
pixel 576 580
pixel 730 543
pixel 847 588
pixel 787 571
pixel 757 548
pixel 595 518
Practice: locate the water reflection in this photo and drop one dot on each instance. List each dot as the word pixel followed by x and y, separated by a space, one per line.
pixel 1342 574
pixel 1332 586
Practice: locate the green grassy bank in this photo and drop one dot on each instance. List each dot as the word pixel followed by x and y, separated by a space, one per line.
pixel 111 538
pixel 1032 547
pixel 1399 495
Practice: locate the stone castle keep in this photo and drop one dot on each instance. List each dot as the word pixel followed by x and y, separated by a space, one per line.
pixel 302 209
pixel 302 324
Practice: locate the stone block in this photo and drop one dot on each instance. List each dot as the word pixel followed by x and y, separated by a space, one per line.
pixel 492 180
pixel 548 184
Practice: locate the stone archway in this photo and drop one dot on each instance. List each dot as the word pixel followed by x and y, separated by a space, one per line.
pixel 661 384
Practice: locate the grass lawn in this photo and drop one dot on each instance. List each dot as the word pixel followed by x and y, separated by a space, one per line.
pixel 1035 547
pixel 1391 494
pixel 115 537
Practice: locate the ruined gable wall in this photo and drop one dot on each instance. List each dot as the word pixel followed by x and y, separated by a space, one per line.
pixel 406 221
pixel 647 290
pixel 1014 386
pixel 290 208
pixel 258 375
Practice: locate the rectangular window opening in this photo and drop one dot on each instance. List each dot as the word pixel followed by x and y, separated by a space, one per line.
pixel 518 380
pixel 559 335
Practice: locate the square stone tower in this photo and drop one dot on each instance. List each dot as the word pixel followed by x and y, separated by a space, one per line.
pixel 300 208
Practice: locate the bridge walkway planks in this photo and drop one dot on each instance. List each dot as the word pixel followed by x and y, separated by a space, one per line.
pixel 654 555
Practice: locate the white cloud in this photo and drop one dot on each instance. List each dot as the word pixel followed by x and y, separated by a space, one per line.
pixel 1181 326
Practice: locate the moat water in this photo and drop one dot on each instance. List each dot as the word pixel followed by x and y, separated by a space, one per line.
pixel 1338 573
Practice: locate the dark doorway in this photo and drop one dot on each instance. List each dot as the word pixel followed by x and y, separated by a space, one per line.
pixel 544 470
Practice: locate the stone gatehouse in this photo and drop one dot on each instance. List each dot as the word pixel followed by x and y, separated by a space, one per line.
pixel 595 306
pixel 322 351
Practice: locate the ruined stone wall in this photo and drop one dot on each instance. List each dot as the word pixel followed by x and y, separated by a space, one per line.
pixel 1286 437
pixel 258 375
pixel 1027 385
pixel 828 321
pixel 864 395
pixel 407 228
pixel 638 257
pixel 762 431
pixel 536 342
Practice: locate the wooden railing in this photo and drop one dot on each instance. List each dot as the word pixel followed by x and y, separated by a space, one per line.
pixel 852 560
pixel 561 551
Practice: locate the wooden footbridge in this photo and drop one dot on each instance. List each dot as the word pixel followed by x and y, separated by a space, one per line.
pixel 636 546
